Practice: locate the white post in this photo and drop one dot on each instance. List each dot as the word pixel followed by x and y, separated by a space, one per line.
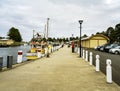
pixel 39 53
pixel 91 58
pixel 49 49
pixel 46 50
pixel 52 49
pixel 86 55
pixel 19 58
pixel 97 63
pixel 55 48
pixel 83 54
pixel 78 50
pixel 109 71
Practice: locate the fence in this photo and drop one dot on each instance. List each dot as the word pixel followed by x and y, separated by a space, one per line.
pixel 115 60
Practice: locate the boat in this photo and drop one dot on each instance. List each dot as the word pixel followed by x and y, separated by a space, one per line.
pixel 37 51
pixel 32 53
pixel 38 45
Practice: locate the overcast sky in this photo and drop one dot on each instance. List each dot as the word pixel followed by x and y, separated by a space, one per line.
pixel 29 15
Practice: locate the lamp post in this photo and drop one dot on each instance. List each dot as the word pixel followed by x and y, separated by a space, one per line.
pixel 80 21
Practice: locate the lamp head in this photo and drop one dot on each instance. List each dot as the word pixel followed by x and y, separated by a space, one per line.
pixel 80 21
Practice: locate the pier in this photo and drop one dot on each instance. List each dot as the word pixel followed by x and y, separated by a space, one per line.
pixel 62 71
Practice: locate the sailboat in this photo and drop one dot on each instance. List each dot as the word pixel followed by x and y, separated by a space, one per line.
pixel 36 48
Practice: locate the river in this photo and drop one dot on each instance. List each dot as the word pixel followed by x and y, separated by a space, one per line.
pixel 6 51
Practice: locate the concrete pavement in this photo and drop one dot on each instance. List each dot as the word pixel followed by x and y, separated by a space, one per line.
pixel 63 71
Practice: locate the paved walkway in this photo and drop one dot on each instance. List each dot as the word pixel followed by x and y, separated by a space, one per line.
pixel 63 71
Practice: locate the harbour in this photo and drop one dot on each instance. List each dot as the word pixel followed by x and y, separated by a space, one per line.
pixel 13 51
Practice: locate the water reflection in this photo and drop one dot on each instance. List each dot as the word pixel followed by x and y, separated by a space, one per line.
pixel 4 52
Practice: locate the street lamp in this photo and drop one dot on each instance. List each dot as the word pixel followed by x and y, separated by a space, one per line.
pixel 80 21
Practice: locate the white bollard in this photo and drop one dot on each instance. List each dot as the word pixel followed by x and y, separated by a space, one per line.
pixel 39 53
pixel 74 49
pixel 49 50
pixel 108 71
pixel 19 58
pixel 46 51
pixel 97 63
pixel 86 56
pixel 55 48
pixel 91 58
pixel 83 54
pixel 78 50
pixel 52 49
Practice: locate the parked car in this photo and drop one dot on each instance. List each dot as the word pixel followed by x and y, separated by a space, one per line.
pixel 115 50
pixel 102 48
pixel 98 47
pixel 107 48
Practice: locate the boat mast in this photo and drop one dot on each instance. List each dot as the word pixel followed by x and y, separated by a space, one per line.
pixel 33 35
pixel 47 27
pixel 45 31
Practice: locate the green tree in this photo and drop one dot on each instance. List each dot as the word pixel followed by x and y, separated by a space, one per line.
pixel 77 38
pixel 66 40
pixel 117 32
pixel 50 39
pixel 54 40
pixel 98 33
pixel 44 39
pixel 14 34
pixel 59 40
pixel 84 36
pixel 111 34
pixel 0 37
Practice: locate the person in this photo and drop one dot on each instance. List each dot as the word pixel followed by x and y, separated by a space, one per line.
pixel 73 47
pixel 47 55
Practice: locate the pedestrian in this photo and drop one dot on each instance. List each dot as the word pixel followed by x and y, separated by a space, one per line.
pixel 73 47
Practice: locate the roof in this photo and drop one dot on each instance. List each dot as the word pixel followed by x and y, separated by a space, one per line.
pixel 4 39
pixel 97 35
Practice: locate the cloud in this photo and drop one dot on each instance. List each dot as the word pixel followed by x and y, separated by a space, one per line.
pixel 31 15
pixel 83 3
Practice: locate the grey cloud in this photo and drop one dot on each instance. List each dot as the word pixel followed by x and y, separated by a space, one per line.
pixel 77 2
pixel 64 15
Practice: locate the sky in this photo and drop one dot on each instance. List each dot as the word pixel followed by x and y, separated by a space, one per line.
pixel 29 15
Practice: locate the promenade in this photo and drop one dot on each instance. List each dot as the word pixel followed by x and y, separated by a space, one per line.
pixel 63 71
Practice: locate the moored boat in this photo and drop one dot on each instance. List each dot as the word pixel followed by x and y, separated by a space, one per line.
pixel 32 54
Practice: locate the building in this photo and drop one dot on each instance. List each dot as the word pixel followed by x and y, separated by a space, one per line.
pixel 94 40
pixel 6 42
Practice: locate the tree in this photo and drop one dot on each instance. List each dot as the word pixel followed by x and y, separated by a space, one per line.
pixel 77 38
pixel 117 32
pixel 84 36
pixel 0 37
pixel 54 39
pixel 59 40
pixel 110 32
pixel 50 39
pixel 14 34
pixel 66 40
pixel 98 33
pixel 44 39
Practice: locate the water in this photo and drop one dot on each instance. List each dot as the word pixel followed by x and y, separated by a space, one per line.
pixel 6 51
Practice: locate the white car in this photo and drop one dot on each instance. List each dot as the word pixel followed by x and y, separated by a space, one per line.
pixel 115 50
